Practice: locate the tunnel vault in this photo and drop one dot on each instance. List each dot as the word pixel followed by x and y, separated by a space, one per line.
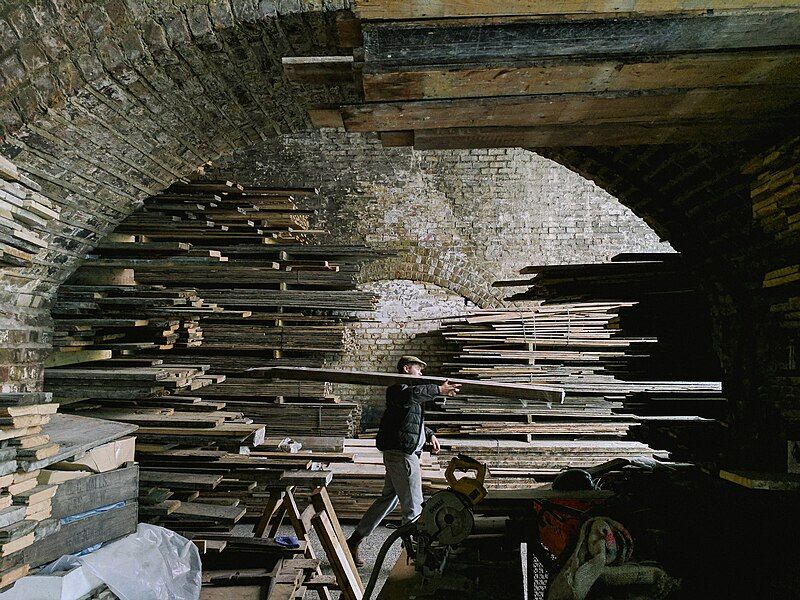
pixel 104 103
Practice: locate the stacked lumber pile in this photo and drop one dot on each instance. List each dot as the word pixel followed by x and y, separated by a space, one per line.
pixel 127 318
pixel 124 381
pixel 220 275
pixel 24 504
pixel 607 335
pixel 581 347
pixel 195 491
pixel 775 196
pixel 25 216
pixel 201 470
pixel 66 483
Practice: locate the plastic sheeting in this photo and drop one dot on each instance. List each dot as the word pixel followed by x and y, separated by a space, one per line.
pixel 152 564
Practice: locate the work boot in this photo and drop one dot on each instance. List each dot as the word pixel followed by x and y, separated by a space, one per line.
pixel 353 542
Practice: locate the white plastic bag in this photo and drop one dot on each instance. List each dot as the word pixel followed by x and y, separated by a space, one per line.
pixel 152 564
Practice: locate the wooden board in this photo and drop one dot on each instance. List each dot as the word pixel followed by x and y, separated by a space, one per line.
pixel 58 359
pixel 602 108
pixel 540 393
pixel 561 76
pixel 597 135
pixel 763 481
pixel 101 489
pixel 516 41
pixel 432 9
pixel 348 580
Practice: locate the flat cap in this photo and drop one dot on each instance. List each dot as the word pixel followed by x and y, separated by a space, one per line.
pixel 410 360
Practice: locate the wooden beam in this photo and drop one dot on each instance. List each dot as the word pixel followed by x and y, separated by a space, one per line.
pixel 561 76
pixel 325 117
pixel 60 359
pixel 470 387
pixel 660 106
pixel 348 579
pixel 435 9
pixel 396 139
pixel 318 70
pixel 597 135
pixel 321 502
pixel 391 45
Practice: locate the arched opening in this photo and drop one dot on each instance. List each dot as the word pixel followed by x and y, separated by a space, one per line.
pixel 104 104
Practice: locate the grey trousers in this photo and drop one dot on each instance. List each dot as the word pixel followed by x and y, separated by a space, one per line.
pixel 403 483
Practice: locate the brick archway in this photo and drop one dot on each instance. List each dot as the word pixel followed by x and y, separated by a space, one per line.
pixel 447 269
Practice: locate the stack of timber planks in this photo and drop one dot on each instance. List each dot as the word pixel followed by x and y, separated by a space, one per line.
pixel 775 196
pixel 25 216
pixel 67 483
pixel 127 318
pixel 208 440
pixel 606 334
pixel 223 275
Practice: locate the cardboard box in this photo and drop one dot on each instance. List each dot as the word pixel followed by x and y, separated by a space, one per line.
pixel 103 458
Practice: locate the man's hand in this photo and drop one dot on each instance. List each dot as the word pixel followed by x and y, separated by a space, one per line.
pixel 436 446
pixel 449 389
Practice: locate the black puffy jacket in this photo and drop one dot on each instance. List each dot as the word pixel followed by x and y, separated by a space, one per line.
pixel 402 420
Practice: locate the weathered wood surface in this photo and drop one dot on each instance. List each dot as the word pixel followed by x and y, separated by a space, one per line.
pixel 529 392
pixel 567 75
pixel 101 489
pixel 318 70
pixel 433 9
pixel 689 131
pixel 388 45
pixel 660 106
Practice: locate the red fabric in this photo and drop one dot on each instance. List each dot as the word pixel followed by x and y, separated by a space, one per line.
pixel 557 528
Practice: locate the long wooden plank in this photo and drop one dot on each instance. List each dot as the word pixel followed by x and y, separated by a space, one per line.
pixel 431 43
pixel 59 359
pixel 595 135
pixel 560 76
pixel 321 502
pixel 101 489
pixel 432 9
pixel 348 579
pixel 481 388
pixel 661 106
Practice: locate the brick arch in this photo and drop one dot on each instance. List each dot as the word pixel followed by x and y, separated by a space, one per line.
pixel 447 269
pixel 107 102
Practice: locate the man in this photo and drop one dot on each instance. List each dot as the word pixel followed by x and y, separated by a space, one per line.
pixel 401 436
